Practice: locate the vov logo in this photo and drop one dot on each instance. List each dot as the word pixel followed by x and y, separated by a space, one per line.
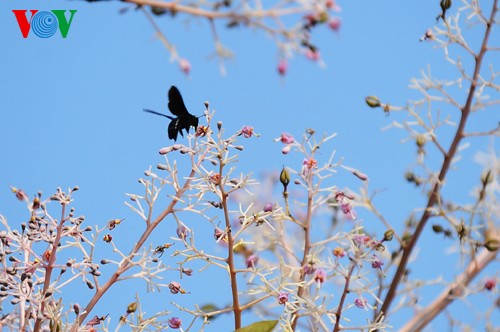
pixel 44 24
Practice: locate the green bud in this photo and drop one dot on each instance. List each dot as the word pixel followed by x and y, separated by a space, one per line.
pixel 388 235
pixel 373 101
pixel 492 245
pixel 158 11
pixel 445 4
pixel 420 141
pixel 284 178
pixel 323 17
pixel 437 228
pixel 132 307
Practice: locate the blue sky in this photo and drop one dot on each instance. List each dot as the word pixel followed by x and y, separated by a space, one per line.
pixel 71 109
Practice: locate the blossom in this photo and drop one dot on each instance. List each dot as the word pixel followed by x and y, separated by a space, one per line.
pixel 96 320
pixel 215 178
pixel 286 138
pixel 312 54
pixel 286 149
pixel 252 260
pixel 182 232
pixel 490 283
pixel 187 272
pixel 174 322
pixel 201 131
pixel 282 298
pixel 361 239
pixel 166 150
pixel 360 302
pixel 282 67
pixel 310 163
pixel 309 269
pixel 185 66
pixel 20 194
pixel 268 207
pixel 334 24
pixel 175 287
pixel 47 254
pixel 339 252
pixel 320 276
pixel 429 35
pixel 377 263
pixel 247 131
pixel 219 233
pixel 345 206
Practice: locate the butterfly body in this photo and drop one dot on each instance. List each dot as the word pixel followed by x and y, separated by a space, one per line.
pixel 182 120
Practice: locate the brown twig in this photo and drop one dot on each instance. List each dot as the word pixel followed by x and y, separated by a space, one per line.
pixel 422 318
pixel 434 196
pixel 50 267
pixel 307 248
pixel 237 310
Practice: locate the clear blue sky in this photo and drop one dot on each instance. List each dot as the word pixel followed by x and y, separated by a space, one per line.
pixel 71 109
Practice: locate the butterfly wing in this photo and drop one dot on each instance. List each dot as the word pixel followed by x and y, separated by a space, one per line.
pixel 175 103
pixel 173 129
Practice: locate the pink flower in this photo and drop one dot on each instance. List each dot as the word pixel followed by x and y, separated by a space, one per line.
pixel 252 260
pixel 187 272
pixel 377 263
pixel 282 67
pixel 174 322
pixel 330 4
pixel 361 239
pixel 312 55
pixel 345 206
pixel 247 131
pixel 286 138
pixel 320 276
pixel 282 298
pixel 96 320
pixel 218 234
pixel 334 24
pixel 268 207
pixel 429 35
pixel 182 232
pixel 174 287
pixel 310 163
pixel 309 269
pixel 20 194
pixel 360 302
pixel 286 149
pixel 215 178
pixel 166 150
pixel 339 252
pixel 185 66
pixel 490 284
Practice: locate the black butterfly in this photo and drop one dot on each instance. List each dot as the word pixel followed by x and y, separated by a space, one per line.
pixel 184 119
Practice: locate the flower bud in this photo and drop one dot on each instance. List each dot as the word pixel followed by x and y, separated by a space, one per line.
pixel 388 235
pixel 437 228
pixel 175 322
pixel 492 245
pixel 284 178
pixel 420 141
pixel 166 150
pixel 282 298
pixel 445 4
pixel 373 101
pixel 282 67
pixel 132 307
pixel 76 308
